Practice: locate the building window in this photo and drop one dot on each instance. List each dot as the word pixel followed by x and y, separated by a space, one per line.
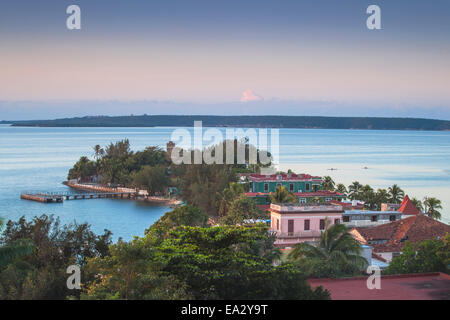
pixel 328 199
pixel 374 218
pixel 290 227
pixel 307 187
pixel 266 187
pixel 306 225
pixel 392 218
pixel 322 224
pixel 302 200
pixel 291 187
pixel 278 224
pixel 337 221
pixel 346 218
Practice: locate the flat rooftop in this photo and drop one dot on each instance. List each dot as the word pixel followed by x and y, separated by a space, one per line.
pixel 424 286
pixel 370 212
pixel 300 207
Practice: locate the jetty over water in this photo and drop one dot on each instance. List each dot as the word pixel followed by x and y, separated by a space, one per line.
pixel 47 197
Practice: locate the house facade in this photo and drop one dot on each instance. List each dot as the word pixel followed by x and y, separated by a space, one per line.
pixel 295 223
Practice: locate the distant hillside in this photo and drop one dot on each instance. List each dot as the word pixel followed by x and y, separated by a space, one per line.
pixel 246 121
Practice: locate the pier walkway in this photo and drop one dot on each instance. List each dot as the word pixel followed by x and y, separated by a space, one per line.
pixel 60 197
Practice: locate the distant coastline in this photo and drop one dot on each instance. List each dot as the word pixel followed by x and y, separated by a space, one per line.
pixel 294 122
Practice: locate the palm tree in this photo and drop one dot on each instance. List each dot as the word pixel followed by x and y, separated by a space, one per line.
pixel 98 151
pixel 341 188
pixel 354 190
pixel 431 206
pixel 282 195
pixel 396 193
pixel 228 195
pixel 417 203
pixel 336 251
pixel 12 251
pixel 328 183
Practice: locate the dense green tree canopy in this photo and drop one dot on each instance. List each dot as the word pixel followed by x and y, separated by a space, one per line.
pixel 227 262
pixel 42 274
pixel 426 256
pixel 153 179
pixel 242 208
pixel 83 169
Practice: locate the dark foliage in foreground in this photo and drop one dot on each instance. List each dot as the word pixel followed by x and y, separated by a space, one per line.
pixel 42 273
pixel 172 261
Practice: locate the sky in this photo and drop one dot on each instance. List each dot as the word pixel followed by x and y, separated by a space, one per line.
pixel 233 57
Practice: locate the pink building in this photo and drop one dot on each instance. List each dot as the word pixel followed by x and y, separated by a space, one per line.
pixel 294 223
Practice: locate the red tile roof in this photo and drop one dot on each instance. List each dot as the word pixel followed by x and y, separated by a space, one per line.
pixel 414 229
pixel 347 205
pixel 284 177
pixel 425 286
pixel 300 194
pixel 324 193
pixel 407 207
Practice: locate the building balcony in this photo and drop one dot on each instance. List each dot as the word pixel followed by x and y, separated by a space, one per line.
pixel 300 234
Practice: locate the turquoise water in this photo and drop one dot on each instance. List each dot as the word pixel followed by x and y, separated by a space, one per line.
pixel 38 159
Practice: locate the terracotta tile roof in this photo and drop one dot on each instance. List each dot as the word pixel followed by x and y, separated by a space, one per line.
pixel 346 205
pixel 407 207
pixel 300 194
pixel 414 229
pixel 284 177
pixel 319 194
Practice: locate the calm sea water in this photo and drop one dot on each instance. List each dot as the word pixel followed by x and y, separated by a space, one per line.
pixel 38 159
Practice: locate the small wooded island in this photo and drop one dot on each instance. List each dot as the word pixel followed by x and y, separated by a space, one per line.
pixel 300 122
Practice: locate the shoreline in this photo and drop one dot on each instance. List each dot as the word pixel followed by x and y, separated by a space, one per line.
pixel 100 188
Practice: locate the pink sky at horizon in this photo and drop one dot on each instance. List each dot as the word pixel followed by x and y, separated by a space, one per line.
pixel 202 52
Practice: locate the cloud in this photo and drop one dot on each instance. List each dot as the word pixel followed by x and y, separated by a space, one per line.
pixel 249 95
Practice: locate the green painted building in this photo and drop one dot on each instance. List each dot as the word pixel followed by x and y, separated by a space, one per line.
pixel 293 182
pixel 306 188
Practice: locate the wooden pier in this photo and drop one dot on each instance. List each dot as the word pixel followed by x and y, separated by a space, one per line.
pixel 60 197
